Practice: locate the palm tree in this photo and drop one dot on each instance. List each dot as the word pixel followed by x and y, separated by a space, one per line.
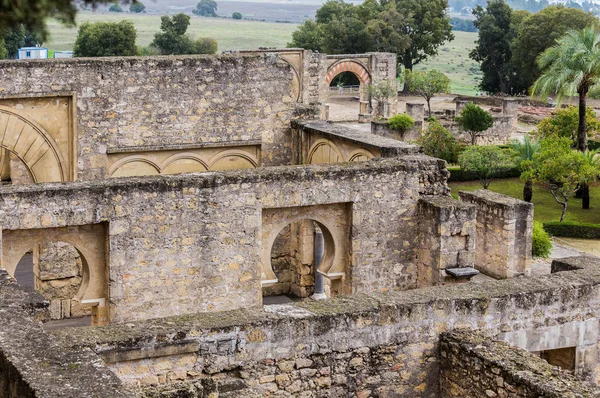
pixel 572 67
pixel 524 152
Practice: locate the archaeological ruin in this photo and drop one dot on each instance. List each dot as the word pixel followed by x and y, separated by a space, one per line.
pixel 218 237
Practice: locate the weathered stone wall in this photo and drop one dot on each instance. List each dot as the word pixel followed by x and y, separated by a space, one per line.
pixel 383 129
pixel 183 244
pixel 153 101
pixel 32 364
pixel 472 365
pixel 363 345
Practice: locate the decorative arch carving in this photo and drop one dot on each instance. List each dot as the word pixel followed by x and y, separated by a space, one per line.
pixel 360 155
pixel 32 145
pixel 118 169
pixel 232 154
pixel 346 65
pixel 324 151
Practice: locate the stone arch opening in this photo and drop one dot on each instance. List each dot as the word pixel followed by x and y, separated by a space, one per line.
pixel 292 258
pixel 347 103
pixel 54 246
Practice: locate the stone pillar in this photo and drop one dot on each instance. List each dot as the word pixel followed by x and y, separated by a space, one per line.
pixel 510 108
pixel 446 238
pixel 504 229
pixel 416 111
pixel 460 105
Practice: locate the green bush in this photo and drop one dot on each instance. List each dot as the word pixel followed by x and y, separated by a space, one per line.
pixel 438 142
pixel 541 245
pixel 573 229
pixel 236 15
pixel 115 8
pixel 401 122
pixel 458 175
pixel 137 7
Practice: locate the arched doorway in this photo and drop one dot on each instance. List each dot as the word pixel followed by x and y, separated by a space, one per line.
pixel 348 83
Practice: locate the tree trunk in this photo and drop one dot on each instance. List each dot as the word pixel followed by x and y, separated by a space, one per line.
pixel 473 137
pixel 564 211
pixel 528 191
pixel 585 196
pixel 582 128
pixel 429 106
pixel 408 65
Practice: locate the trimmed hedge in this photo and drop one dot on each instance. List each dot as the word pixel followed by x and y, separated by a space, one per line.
pixel 573 229
pixel 457 175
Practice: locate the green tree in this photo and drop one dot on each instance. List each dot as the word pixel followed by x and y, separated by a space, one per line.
pixel 524 152
pixel 560 169
pixel 380 92
pixel 438 142
pixel 206 8
pixel 486 162
pixel 537 33
pixel 105 39
pixel 236 15
pixel 572 68
pixel 18 37
pixel 34 13
pixel 137 7
pixel 172 39
pixel 492 48
pixel 115 8
pixel 564 122
pixel 474 120
pixel 427 84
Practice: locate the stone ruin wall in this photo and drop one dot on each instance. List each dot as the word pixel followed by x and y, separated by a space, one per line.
pixel 183 244
pixel 364 345
pixel 153 102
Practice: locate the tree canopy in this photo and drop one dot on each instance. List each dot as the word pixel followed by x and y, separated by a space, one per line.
pixel 115 8
pixel 18 37
pixel 236 15
pixel 563 122
pixel 413 29
pixel 105 39
pixel 427 84
pixel 206 8
pixel 486 162
pixel 137 7
pixel 172 38
pixel 474 120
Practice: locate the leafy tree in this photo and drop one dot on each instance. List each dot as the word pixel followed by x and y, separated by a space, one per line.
pixel 105 39
pixel 3 50
pixel 413 29
pixel 486 162
pixel 537 33
pixel 115 8
pixel 172 39
pixel 524 151
pixel 380 92
pixel 34 13
pixel 463 25
pixel 236 15
pixel 560 169
pixel 427 84
pixel 572 67
pixel 206 8
pixel 474 120
pixel 438 142
pixel 492 48
pixel 18 37
pixel 137 7
pixel 564 122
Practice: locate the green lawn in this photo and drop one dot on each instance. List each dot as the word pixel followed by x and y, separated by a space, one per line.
pixel 230 34
pixel 546 208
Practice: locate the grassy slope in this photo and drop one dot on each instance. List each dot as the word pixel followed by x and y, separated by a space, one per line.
pixel 546 208
pixel 453 60
pixel 231 34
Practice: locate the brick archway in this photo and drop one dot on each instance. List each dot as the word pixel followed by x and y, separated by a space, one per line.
pixel 348 66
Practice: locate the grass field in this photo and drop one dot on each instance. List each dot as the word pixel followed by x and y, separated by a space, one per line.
pixel 229 33
pixel 453 58
pixel 546 208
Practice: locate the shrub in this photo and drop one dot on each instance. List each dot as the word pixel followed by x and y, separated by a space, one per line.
pixel 115 8
pixel 474 120
pixel 438 142
pixel 541 244
pixel 137 7
pixel 105 39
pixel 459 175
pixel 401 122
pixel 573 229
pixel 486 162
pixel 236 15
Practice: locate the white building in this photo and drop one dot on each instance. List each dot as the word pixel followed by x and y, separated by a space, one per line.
pixel 63 54
pixel 33 52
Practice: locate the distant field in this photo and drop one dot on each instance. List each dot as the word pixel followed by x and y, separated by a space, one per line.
pixel 230 34
pixel 454 61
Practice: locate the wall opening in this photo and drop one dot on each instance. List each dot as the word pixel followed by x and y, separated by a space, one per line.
pixel 57 271
pixel 564 358
pixel 293 262
pixel 345 94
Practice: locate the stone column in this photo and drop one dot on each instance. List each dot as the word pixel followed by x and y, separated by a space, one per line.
pixel 446 238
pixel 460 105
pixel 416 111
pixel 504 229
pixel 510 108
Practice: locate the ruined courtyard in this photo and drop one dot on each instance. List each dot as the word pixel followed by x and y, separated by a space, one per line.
pixel 165 200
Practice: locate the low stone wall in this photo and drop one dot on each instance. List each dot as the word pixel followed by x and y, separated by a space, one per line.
pixel 498 134
pixel 361 345
pixel 411 135
pixel 33 364
pixel 472 365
